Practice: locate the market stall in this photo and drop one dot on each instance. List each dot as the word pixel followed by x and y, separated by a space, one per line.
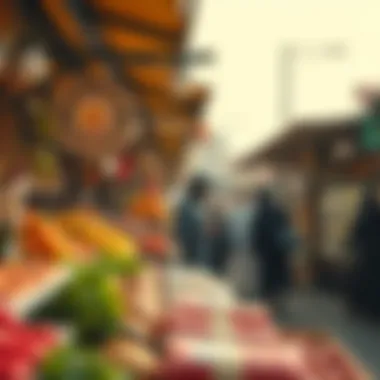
pixel 96 120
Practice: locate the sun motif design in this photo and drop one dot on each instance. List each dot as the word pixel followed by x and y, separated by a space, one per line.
pixel 94 115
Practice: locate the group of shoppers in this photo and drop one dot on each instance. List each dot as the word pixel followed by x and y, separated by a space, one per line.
pixel 254 228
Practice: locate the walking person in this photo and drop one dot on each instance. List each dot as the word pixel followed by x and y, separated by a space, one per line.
pixel 365 276
pixel 190 222
pixel 218 242
pixel 272 240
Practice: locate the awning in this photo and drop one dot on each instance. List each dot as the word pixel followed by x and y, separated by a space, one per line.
pixel 287 147
pixel 141 41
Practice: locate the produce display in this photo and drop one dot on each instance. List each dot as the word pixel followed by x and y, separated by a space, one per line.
pixel 94 161
pixel 74 363
pixel 128 354
pixel 148 205
pixel 155 244
pixel 23 347
pixel 123 323
pixel 22 285
pixel 93 230
pixel 92 286
pixel 43 238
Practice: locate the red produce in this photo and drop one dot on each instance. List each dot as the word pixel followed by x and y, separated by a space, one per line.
pixel 22 347
pixel 6 319
pixel 46 335
pixel 32 345
pixel 155 244
pixel 19 370
pixel 15 367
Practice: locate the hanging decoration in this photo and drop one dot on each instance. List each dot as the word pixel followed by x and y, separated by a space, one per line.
pixel 172 133
pixel 94 118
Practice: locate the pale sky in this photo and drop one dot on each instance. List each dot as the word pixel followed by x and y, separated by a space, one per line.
pixel 247 37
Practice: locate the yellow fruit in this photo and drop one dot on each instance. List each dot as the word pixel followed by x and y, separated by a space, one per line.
pixel 98 232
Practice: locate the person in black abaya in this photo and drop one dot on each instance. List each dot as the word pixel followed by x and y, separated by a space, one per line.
pixel 272 242
pixel 364 296
pixel 190 222
pixel 219 244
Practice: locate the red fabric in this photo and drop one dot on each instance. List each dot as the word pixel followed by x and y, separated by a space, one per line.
pixel 191 321
pixel 243 325
pixel 126 168
pixel 270 362
pixel 251 324
pixel 185 371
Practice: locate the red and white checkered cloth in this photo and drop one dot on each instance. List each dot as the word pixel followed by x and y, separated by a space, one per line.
pixel 243 343
pixel 216 360
pixel 239 342
pixel 251 323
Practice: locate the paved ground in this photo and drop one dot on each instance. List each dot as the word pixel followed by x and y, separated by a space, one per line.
pixel 321 311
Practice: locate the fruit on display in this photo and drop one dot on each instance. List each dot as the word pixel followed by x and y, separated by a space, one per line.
pixel 23 347
pixel 18 280
pixel 43 238
pixel 75 363
pixel 132 355
pixel 92 303
pixel 148 205
pixel 45 163
pixel 122 266
pixel 156 244
pixel 93 230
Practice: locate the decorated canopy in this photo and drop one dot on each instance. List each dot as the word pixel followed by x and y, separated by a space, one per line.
pixel 114 73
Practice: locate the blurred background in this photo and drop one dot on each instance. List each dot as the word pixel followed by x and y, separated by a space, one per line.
pixel 176 162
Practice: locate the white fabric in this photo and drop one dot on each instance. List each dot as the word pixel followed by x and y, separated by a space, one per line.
pixel 16 194
pixel 199 286
pixel 109 166
pixel 14 207
pixel 243 272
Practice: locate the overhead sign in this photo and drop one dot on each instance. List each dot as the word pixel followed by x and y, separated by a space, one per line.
pixel 370 134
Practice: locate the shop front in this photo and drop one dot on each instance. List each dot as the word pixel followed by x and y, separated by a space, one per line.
pixel 328 159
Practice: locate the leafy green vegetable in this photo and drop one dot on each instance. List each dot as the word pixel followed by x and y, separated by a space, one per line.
pixel 78 364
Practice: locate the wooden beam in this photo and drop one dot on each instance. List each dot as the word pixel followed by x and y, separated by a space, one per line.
pixel 192 8
pixel 87 17
pixel 122 39
pixel 36 16
pixel 142 27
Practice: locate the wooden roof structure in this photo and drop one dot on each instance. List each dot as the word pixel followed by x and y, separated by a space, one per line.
pixel 140 42
pixel 300 136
